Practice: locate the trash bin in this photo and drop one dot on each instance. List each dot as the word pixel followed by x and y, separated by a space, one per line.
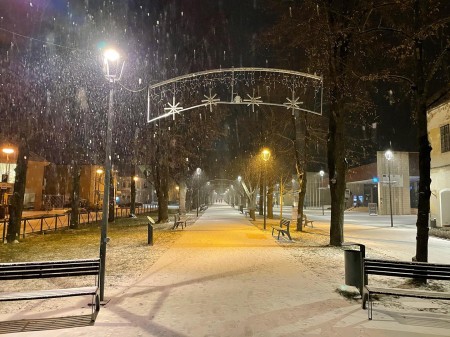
pixel 353 266
pixel 432 221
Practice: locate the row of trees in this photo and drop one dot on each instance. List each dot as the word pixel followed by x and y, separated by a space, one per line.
pixel 344 41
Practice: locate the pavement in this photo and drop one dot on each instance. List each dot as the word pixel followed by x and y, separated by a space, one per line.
pixel 225 277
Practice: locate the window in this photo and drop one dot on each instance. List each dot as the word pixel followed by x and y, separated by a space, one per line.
pixel 445 138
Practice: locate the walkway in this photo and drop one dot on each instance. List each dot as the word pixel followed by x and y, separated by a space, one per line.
pixel 224 277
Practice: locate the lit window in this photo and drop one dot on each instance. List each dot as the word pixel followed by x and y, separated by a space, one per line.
pixel 445 138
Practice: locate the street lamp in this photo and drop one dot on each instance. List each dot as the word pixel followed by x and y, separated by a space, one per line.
pixel 198 172
pixel 113 67
pixel 389 156
pixel 97 187
pixel 7 151
pixel 322 173
pixel 265 156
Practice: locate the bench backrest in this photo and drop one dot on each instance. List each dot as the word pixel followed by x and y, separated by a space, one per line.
pixel 49 269
pixel 407 269
pixel 285 222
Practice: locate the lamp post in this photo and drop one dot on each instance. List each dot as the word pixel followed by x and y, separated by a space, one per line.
pixel 389 156
pixel 322 173
pixel 97 187
pixel 113 67
pixel 265 156
pixel 198 172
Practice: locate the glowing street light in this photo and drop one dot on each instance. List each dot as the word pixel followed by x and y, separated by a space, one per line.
pixel 113 67
pixel 265 156
pixel 321 173
pixel 389 156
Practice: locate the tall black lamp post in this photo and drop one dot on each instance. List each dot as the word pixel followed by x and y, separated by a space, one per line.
pixel 389 156
pixel 198 172
pixel 113 66
pixel 265 156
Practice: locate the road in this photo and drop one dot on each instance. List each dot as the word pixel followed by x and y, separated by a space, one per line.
pixel 376 233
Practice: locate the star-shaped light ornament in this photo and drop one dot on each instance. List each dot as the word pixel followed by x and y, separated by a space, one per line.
pixel 210 100
pixel 253 100
pixel 173 108
pixel 293 104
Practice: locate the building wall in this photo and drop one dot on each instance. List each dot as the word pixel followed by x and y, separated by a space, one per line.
pixel 398 168
pixel 440 166
pixel 34 185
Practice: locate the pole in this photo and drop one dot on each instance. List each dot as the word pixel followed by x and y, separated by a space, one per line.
pixel 264 193
pixel 281 197
pixel 321 201
pixel 105 210
pixel 390 191
pixel 198 192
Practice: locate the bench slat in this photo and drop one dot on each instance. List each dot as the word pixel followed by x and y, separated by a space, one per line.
pixel 407 269
pixel 409 293
pixel 44 294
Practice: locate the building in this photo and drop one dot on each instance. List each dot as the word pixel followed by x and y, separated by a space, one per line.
pixel 384 183
pixel 35 182
pixel 439 137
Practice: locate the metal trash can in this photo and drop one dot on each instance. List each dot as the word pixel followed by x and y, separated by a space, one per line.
pixel 432 222
pixel 354 266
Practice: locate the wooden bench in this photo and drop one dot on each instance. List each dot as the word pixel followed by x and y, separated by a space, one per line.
pixel 52 269
pixel 203 208
pixel 416 270
pixel 179 220
pixel 283 230
pixel 306 221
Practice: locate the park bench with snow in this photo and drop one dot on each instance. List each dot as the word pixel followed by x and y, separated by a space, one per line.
pixel 283 230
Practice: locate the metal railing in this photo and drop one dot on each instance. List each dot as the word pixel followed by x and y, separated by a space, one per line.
pixel 42 223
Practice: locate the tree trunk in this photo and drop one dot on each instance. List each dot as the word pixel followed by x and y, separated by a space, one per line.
pixel 182 192
pixel 301 149
pixel 16 206
pixel 424 145
pixel 337 168
pixel 75 196
pixel 163 195
pixel 270 201
pixel 301 200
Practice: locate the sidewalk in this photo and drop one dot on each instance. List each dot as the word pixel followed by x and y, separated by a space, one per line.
pixel 224 277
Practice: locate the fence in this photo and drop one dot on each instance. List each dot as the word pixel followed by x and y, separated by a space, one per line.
pixel 51 222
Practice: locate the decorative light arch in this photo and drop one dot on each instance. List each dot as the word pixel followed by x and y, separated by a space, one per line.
pixel 236 86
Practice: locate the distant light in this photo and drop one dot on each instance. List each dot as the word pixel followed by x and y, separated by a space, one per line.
pixel 389 155
pixel 198 171
pixel 375 180
pixel 99 171
pixel 265 154
pixel 239 178
pixel 8 150
pixel 322 173
pixel 177 188
pixel 111 55
pixel 135 178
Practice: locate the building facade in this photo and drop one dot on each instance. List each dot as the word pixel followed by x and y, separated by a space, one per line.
pixel 439 137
